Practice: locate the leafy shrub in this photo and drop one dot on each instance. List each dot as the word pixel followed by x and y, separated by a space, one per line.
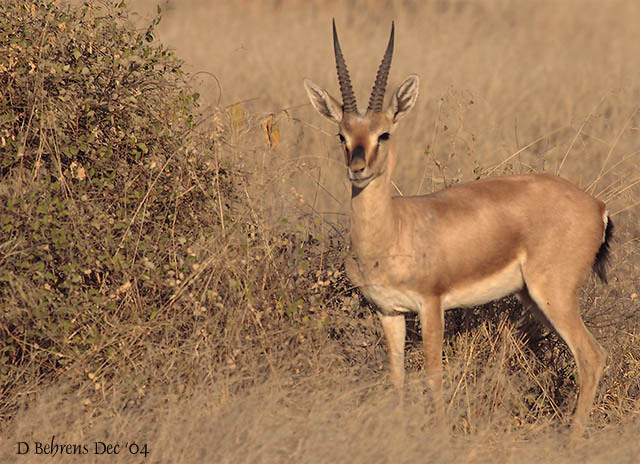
pixel 102 187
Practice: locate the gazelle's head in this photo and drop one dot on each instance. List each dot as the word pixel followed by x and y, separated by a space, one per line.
pixel 365 137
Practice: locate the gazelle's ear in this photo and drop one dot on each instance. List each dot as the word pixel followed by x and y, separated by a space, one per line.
pixel 404 98
pixel 324 103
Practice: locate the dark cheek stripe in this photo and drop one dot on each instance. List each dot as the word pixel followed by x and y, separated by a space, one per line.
pixel 374 155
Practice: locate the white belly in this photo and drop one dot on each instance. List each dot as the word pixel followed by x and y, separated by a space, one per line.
pixel 493 287
pixel 389 300
pixel 490 288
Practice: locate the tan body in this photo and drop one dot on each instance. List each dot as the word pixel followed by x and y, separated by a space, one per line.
pixel 534 235
pixel 449 246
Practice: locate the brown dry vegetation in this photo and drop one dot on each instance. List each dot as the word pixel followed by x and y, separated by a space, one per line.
pixel 227 331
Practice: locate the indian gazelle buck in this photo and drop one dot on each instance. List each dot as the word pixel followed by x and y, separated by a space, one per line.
pixel 535 235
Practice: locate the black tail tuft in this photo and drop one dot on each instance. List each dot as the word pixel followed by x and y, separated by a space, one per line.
pixel 602 257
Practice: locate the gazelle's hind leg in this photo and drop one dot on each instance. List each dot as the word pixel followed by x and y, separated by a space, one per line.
pixel 531 306
pixel 560 306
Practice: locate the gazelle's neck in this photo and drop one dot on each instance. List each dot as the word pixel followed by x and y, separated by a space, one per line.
pixel 372 217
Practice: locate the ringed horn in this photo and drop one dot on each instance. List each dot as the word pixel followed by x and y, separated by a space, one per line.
pixel 377 93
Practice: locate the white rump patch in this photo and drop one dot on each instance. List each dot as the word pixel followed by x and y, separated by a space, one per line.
pixel 605 219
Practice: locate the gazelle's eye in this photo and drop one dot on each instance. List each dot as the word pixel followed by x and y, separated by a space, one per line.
pixel 341 137
pixel 384 137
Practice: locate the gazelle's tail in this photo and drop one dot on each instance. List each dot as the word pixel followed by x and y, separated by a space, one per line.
pixel 602 257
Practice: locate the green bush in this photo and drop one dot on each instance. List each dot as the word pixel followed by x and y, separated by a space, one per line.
pixel 101 185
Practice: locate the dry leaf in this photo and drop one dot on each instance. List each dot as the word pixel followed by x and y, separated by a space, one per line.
pixel 236 112
pixel 271 131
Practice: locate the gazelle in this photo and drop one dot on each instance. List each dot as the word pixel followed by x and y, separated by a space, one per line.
pixel 534 235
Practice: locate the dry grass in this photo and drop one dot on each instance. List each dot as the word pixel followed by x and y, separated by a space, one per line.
pixel 293 370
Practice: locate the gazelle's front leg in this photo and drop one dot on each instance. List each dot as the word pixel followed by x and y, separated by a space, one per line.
pixel 394 327
pixel 431 318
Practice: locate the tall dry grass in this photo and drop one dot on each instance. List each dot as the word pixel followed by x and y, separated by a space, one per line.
pixel 289 363
pixel 504 88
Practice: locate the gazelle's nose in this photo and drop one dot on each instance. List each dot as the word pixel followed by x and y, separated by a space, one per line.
pixel 358 163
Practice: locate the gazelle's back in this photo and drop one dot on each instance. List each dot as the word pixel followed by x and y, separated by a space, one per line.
pixel 560 209
pixel 482 227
